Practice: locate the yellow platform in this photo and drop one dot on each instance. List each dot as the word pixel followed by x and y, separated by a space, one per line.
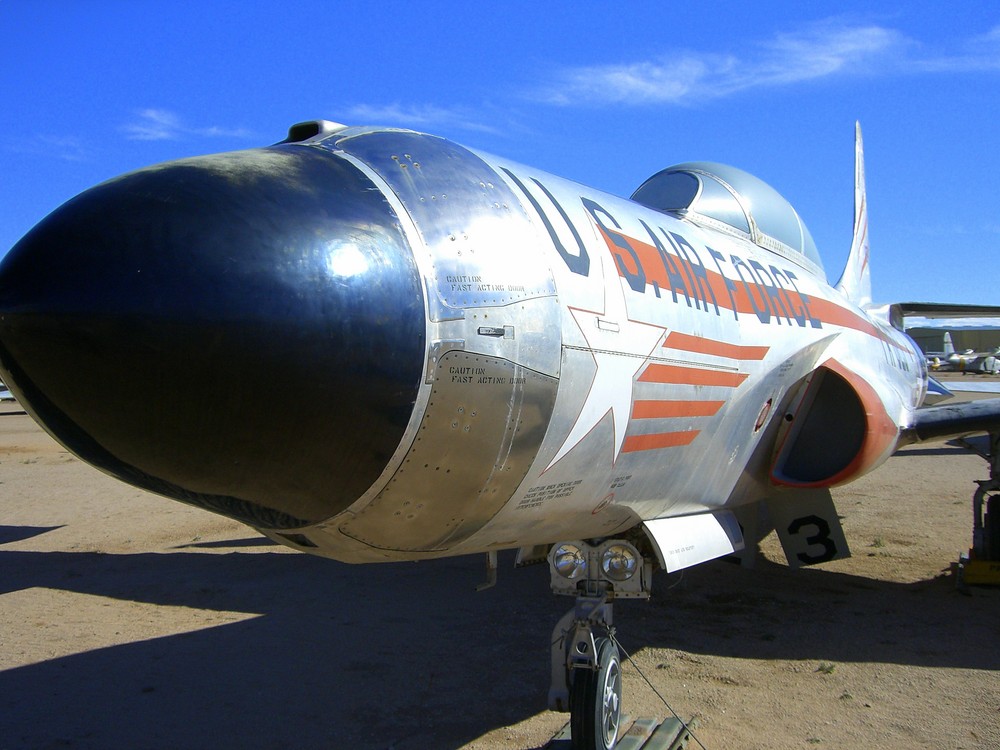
pixel 979 572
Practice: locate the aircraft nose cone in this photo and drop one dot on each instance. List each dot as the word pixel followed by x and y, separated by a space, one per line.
pixel 243 332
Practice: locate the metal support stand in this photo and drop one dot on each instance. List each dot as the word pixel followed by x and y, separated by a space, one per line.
pixel 491 572
pixel 982 564
pixel 986 509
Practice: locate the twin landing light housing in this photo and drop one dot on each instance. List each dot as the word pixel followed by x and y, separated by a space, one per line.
pixel 615 566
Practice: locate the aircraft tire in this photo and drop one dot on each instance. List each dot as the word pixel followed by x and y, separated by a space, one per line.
pixel 596 701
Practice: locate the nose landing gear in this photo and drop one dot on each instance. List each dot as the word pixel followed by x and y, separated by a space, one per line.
pixel 586 664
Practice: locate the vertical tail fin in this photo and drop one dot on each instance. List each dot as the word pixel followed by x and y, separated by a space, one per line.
pixel 949 347
pixel 855 283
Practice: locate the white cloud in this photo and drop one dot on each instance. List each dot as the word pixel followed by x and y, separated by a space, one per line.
pixel 979 53
pixel 419 116
pixel 822 50
pixel 164 125
pixel 64 147
pixel 153 125
pixel 67 147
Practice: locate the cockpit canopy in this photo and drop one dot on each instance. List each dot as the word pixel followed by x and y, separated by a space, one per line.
pixel 732 200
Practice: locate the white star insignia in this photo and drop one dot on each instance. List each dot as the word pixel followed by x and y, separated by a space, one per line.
pixel 620 347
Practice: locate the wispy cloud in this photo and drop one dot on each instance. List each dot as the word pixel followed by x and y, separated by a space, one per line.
pixel 64 147
pixel 421 116
pixel 164 125
pixel 952 228
pixel 979 53
pixel 822 50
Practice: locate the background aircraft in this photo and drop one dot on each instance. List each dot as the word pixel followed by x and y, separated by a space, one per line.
pixel 472 355
pixel 973 361
pixel 939 360
pixel 966 361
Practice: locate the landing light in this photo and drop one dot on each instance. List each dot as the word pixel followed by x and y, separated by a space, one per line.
pixel 619 562
pixel 569 561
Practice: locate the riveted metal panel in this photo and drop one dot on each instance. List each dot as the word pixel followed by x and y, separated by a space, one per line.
pixel 478 256
pixel 481 431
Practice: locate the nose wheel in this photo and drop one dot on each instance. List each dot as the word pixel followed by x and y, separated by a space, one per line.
pixel 596 700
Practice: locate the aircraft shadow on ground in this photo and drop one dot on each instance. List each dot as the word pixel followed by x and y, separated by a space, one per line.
pixel 938 451
pixel 408 655
pixel 257 541
pixel 395 655
pixel 10 534
pixel 968 446
pixel 773 612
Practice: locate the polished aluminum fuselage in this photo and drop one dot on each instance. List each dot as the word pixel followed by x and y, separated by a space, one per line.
pixel 591 363
pixel 467 354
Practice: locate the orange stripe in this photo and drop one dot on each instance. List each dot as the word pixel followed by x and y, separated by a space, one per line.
pixel 690 343
pixel 657 373
pixel 635 443
pixel 787 304
pixel 661 409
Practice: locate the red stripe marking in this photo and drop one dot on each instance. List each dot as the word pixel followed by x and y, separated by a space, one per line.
pixel 635 443
pixel 664 409
pixel 657 373
pixel 716 292
pixel 689 343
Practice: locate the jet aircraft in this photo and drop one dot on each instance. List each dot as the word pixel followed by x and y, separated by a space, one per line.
pixel 469 355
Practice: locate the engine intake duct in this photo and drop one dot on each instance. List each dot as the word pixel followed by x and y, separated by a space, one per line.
pixel 837 432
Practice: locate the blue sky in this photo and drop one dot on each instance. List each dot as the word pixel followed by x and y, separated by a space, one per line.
pixel 602 93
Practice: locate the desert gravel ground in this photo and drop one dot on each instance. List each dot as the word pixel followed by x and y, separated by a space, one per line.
pixel 131 621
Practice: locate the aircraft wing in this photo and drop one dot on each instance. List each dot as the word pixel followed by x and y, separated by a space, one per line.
pixel 952 420
pixel 900 310
pixel 973 386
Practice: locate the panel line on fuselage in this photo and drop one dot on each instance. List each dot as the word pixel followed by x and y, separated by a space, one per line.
pixel 652 358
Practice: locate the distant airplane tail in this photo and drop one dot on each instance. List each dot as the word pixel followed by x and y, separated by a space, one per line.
pixel 949 347
pixel 855 283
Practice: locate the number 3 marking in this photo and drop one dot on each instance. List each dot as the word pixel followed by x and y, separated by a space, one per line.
pixel 821 537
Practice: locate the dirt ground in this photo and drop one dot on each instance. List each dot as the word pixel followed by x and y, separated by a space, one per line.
pixel 131 621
